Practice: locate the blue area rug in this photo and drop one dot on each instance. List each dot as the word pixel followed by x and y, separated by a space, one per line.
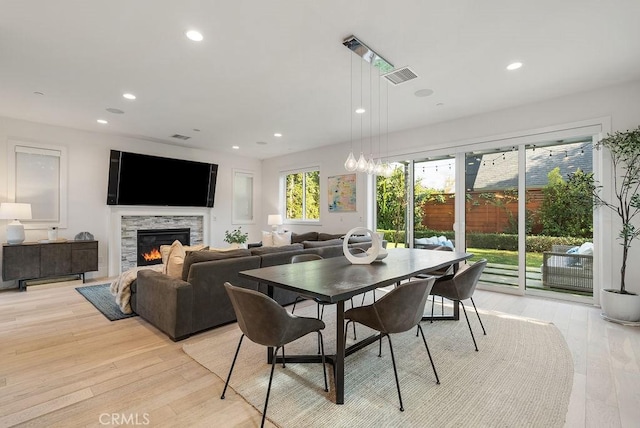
pixel 100 297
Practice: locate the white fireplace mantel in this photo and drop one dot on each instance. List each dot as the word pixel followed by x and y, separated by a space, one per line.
pixel 115 226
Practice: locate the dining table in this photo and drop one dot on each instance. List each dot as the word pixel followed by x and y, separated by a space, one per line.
pixel 335 280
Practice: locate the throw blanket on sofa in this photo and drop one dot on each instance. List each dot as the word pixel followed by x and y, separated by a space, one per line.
pixel 121 286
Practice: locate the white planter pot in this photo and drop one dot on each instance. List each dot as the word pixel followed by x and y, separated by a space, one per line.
pixel 623 308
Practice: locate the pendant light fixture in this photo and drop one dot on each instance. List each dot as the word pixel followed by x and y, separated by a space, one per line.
pixel 351 163
pixel 362 162
pixel 370 166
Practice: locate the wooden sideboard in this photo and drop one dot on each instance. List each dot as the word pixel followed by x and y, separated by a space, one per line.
pixel 36 260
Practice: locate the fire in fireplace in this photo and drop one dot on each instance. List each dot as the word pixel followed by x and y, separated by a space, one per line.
pixel 150 240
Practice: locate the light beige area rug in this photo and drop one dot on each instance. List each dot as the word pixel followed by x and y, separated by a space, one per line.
pixel 521 377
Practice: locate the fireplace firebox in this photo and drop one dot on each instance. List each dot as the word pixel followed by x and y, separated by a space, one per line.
pixel 150 240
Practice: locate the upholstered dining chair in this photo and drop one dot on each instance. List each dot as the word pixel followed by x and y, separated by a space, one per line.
pixel 299 258
pixel 397 311
pixel 265 322
pixel 440 274
pixel 461 287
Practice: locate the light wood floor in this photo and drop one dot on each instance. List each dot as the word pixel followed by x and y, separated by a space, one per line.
pixel 62 363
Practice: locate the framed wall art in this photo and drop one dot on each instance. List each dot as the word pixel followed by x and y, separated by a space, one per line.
pixel 342 193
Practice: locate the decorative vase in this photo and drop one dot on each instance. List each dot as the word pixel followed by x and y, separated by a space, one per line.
pixel 621 308
pixel 52 234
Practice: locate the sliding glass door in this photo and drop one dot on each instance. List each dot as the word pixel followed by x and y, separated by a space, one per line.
pixel 491 214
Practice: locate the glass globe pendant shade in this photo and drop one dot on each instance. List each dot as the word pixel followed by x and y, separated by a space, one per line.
pixel 351 163
pixel 371 166
pixel 379 168
pixel 388 171
pixel 362 164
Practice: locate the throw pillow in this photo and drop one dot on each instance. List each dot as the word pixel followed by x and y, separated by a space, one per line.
pixel 164 252
pixel 280 239
pixel 586 248
pixel 175 260
pixel 267 239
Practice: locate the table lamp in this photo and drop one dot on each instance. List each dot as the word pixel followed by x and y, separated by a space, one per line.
pixel 17 212
pixel 274 220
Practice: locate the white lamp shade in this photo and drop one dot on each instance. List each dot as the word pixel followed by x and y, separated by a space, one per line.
pixel 15 211
pixel 274 220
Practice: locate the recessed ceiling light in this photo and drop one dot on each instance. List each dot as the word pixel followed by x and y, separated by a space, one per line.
pixel 277 134
pixel 235 147
pixel 360 110
pixel 194 35
pixel 129 96
pixel 102 121
pixel 514 66
pixel 423 93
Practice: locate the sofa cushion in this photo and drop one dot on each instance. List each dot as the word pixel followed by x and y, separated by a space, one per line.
pixel 301 237
pixel 316 244
pixel 209 255
pixel 327 236
pixel 267 250
pixel 358 239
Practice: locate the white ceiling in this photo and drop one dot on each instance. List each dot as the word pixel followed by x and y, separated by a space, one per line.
pixel 280 66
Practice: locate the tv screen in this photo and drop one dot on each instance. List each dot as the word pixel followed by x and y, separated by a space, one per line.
pixel 136 179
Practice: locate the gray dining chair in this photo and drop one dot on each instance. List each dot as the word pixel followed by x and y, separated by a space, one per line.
pixel 461 287
pixel 265 322
pixel 299 258
pixel 397 311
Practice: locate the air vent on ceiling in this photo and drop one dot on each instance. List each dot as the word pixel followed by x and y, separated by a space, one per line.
pixel 400 75
pixel 180 137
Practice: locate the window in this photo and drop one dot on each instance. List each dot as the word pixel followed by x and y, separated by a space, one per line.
pixel 302 195
pixel 37 175
pixel 242 197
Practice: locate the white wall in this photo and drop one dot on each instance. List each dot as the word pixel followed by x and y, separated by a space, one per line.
pixel 88 155
pixel 620 104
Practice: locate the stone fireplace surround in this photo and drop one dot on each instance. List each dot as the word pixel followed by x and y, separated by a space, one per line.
pixel 125 223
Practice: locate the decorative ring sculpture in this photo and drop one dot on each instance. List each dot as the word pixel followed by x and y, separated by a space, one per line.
pixel 371 254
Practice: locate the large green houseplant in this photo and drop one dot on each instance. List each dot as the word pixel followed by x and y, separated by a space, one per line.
pixel 624 148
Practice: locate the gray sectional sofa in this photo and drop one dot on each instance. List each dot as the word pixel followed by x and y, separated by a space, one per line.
pixel 198 301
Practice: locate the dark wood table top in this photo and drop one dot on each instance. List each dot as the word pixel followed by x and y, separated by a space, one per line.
pixel 336 279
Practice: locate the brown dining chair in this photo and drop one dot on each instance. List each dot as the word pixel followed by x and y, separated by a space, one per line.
pixel 265 322
pixel 397 311
pixel 461 287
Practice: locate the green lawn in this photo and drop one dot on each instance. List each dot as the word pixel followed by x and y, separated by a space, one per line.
pixel 503 257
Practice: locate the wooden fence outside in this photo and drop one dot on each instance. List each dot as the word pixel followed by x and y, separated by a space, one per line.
pixel 486 212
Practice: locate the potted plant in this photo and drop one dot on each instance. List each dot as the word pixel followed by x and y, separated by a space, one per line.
pixel 236 237
pixel 619 304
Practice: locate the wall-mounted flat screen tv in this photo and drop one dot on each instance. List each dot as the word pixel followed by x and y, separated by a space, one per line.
pixel 137 179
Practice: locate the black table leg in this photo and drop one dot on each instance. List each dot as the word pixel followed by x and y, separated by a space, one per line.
pixel 338 365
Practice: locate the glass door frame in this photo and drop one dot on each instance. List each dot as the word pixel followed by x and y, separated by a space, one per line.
pixel 595 128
